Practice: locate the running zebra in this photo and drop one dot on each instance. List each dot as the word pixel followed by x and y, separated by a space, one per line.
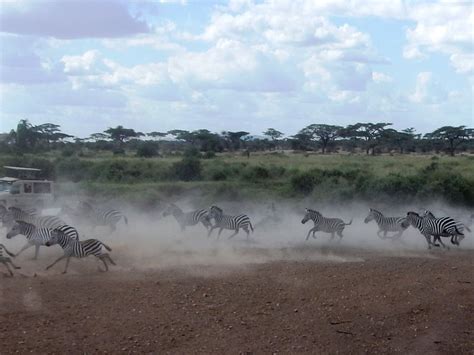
pixel 79 249
pixel 5 260
pixel 455 239
pixel 99 217
pixel 37 236
pixel 186 219
pixel 223 221
pixel 387 224
pixel 436 227
pixel 51 222
pixel 323 224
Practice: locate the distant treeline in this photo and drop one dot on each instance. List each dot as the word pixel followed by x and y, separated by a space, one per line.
pixel 371 138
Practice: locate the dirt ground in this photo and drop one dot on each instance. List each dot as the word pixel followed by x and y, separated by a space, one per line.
pixel 371 303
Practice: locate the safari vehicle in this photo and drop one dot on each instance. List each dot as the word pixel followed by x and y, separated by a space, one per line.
pixel 25 189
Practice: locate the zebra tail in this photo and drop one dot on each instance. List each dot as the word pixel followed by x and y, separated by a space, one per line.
pixel 106 246
pixel 348 224
pixel 467 228
pixel 251 227
pixel 125 219
pixel 457 230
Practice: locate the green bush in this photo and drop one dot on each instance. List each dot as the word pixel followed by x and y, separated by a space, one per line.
pixel 147 150
pixel 187 169
pixel 255 173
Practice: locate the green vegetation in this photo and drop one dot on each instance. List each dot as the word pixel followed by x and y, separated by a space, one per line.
pixel 401 178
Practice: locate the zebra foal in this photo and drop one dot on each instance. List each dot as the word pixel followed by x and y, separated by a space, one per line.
pixel 323 224
pixel 188 219
pixel 78 249
pixel 101 216
pixel 387 224
pixel 223 221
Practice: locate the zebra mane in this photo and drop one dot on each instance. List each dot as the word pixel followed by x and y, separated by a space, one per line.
pixel 217 208
pixel 312 211
pixel 25 224
pixel 376 211
pixel 413 213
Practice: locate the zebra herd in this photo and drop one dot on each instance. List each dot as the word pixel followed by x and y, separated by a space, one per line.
pixel 51 230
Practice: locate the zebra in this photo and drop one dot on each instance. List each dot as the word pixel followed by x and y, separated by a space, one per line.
pixel 223 221
pixel 436 227
pixel 185 219
pixel 323 224
pixel 387 224
pixel 455 239
pixel 37 236
pixel 51 222
pixel 101 217
pixel 5 260
pixel 78 249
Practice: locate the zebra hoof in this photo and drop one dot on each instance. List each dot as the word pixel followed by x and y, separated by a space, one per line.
pixel 17 267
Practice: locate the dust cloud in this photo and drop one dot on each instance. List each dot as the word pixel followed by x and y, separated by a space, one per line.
pixel 151 241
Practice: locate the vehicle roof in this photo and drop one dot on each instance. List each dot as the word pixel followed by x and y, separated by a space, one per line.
pixel 8 179
pixel 20 168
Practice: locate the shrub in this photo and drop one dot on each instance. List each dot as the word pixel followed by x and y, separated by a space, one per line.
pixel 303 183
pixel 255 173
pixel 209 155
pixel 187 169
pixel 192 152
pixel 118 151
pixel 147 150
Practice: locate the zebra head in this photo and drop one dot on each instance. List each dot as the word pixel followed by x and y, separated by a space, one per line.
pixel 215 211
pixel 414 219
pixel 310 214
pixel 20 227
pixel 428 214
pixel 371 216
pixel 54 237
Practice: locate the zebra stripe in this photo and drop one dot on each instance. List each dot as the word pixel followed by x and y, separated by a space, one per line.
pixel 37 236
pixel 323 224
pixel 186 219
pixel 223 221
pixel 79 249
pixel 387 224
pixel 5 259
pixel 102 217
pixel 455 239
pixel 436 227
pixel 50 222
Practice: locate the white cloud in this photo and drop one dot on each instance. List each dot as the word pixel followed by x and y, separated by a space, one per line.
pixel 381 77
pixel 428 90
pixel 80 63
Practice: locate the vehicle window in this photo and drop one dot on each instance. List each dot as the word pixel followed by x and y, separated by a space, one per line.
pixel 27 188
pixel 42 188
pixel 15 189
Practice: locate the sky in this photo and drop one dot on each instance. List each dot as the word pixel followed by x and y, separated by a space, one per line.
pixel 235 65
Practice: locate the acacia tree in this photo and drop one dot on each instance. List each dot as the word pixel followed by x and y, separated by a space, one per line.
pixel 454 136
pixel 370 133
pixel 323 133
pixel 120 134
pixel 274 135
pixel 156 135
pixel 234 138
pixel 401 140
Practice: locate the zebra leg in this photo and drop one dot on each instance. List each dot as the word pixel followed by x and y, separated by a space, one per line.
pixel 210 231
pixel 339 233
pixel 384 234
pixel 8 268
pixel 442 244
pixel 428 240
pixel 67 264
pixel 309 233
pixel 59 259
pixel 101 258
pixel 220 231
pixel 11 262
pixel 107 256
pixel 233 235
pixel 37 248
pixel 378 234
pixel 26 246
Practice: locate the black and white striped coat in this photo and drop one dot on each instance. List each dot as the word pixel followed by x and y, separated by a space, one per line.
pixel 460 227
pixel 98 217
pixel 5 259
pixel 37 236
pixel 50 222
pixel 223 221
pixel 387 224
pixel 323 224
pixel 79 249
pixel 436 227
pixel 187 219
